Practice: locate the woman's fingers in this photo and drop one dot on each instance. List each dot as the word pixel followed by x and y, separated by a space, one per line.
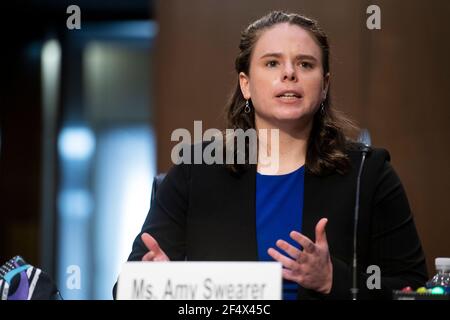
pixel 155 252
pixel 291 269
pixel 289 249
pixel 149 256
pixel 150 243
pixel 321 236
pixel 310 267
pixel 285 261
pixel 304 241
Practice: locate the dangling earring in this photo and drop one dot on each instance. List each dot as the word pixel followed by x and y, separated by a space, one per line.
pixel 247 107
pixel 322 109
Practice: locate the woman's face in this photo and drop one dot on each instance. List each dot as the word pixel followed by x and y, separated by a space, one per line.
pixel 286 81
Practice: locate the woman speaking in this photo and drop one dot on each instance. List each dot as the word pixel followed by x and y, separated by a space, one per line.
pixel 301 211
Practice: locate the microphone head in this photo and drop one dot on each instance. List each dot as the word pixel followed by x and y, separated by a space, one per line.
pixel 364 138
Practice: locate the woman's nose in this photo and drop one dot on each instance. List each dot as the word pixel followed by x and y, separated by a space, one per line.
pixel 289 73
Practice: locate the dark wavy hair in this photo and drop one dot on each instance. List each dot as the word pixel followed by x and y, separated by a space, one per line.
pixel 331 130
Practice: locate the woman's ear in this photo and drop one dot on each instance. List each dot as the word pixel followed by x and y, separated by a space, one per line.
pixel 326 84
pixel 245 85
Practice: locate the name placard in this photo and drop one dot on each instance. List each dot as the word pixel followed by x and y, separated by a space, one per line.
pixel 200 281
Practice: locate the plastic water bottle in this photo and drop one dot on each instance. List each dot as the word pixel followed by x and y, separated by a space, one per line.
pixel 442 277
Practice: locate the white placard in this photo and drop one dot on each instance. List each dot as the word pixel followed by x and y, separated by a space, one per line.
pixel 200 281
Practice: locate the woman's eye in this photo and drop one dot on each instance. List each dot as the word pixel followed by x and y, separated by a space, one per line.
pixel 272 63
pixel 306 65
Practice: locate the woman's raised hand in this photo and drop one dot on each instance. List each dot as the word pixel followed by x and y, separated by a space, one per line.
pixel 311 267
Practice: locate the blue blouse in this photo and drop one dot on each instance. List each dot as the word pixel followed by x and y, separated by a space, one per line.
pixel 279 210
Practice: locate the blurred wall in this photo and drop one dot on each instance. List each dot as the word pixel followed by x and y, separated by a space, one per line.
pixel 393 81
pixel 29 163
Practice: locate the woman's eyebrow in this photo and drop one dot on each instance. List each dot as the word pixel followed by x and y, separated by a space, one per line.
pixel 271 54
pixel 306 57
pixel 279 55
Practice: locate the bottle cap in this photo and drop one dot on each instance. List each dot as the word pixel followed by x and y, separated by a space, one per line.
pixel 437 290
pixel 442 263
pixel 422 290
pixel 407 289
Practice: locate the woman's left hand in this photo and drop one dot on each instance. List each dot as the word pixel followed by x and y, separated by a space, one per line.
pixel 311 267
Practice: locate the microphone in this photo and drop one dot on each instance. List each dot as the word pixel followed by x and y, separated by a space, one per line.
pixel 365 140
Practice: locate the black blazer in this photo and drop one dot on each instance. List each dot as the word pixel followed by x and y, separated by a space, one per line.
pixel 205 213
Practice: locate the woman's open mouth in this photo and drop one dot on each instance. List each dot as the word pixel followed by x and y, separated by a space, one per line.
pixel 289 97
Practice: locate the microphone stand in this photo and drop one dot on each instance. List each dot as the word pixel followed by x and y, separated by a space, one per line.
pixel 354 290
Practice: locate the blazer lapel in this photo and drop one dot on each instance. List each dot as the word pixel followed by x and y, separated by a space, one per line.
pixel 312 206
